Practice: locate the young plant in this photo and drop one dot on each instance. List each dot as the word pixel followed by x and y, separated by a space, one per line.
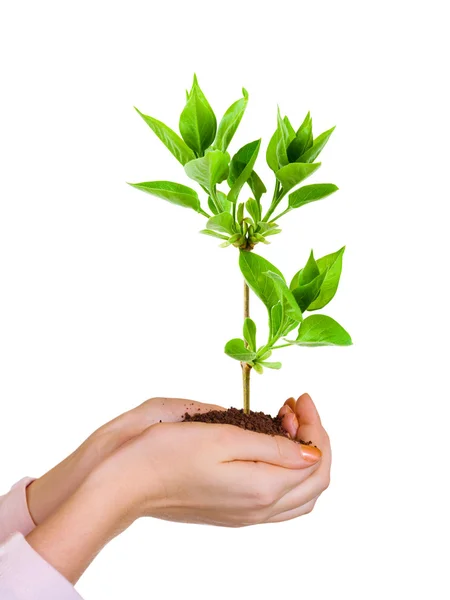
pixel 202 150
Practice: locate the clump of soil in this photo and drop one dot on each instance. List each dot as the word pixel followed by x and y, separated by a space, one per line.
pixel 255 421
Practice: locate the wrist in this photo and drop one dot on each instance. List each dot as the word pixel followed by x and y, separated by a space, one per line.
pixel 48 492
pixel 45 494
pixel 74 534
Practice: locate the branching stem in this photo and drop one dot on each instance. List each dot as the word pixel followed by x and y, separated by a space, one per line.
pixel 280 215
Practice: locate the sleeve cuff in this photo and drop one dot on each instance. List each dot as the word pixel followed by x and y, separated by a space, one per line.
pixel 27 576
pixel 14 513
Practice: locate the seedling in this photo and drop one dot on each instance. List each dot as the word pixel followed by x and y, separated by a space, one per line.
pixel 202 149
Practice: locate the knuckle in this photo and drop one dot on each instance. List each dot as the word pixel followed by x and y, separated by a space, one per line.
pixel 264 497
pixel 326 480
pixel 310 508
pixel 158 431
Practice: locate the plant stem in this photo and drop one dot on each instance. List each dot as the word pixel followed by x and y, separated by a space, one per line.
pixel 280 215
pixel 215 200
pixel 275 201
pixel 246 368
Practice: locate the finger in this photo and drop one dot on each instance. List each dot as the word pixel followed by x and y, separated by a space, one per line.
pixel 306 411
pixel 293 514
pixel 310 486
pixel 290 424
pixel 309 424
pixel 308 489
pixel 266 483
pixel 291 403
pixel 276 450
pixel 285 410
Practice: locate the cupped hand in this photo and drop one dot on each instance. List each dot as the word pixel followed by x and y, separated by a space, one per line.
pixel 189 472
pixel 213 474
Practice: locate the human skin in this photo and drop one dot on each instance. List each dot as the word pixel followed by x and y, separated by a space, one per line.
pixel 214 474
pixel 46 494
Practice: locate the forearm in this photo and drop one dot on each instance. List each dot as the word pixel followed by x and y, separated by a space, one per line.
pixel 74 534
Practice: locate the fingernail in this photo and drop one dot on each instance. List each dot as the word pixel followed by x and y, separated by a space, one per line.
pixel 291 403
pixel 310 453
pixel 285 410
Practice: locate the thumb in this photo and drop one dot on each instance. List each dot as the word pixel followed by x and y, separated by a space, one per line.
pixel 276 450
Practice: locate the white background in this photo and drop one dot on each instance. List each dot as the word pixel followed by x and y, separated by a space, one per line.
pixel 109 296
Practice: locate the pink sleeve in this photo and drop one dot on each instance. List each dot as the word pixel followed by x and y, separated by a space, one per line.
pixel 14 513
pixel 24 574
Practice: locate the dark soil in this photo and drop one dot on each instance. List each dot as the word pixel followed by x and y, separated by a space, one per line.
pixel 255 421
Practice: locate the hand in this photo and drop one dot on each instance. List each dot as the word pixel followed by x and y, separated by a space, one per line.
pixel 213 474
pixel 301 420
pixel 46 494
pixel 190 472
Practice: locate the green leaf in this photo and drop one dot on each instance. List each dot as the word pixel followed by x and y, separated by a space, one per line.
pixel 198 123
pixel 250 333
pixel 258 368
pixel 224 205
pixel 293 174
pixel 285 295
pixel 209 170
pixel 272 232
pixel 237 240
pixel 241 168
pixel 223 223
pixel 230 122
pixel 254 210
pixel 253 268
pixel 284 139
pixel 214 234
pixel 331 265
pixel 309 272
pixel 311 193
pixel 169 138
pixel 276 315
pixel 320 330
pixel 265 228
pixel 319 144
pixel 256 185
pixel 271 152
pixel 237 350
pixel 172 192
pixel 289 128
pixel 307 293
pixel 302 141
pixel 270 365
